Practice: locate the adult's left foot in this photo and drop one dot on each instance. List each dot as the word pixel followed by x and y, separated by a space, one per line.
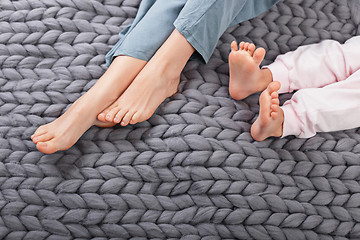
pixel 138 103
pixel 271 116
pixel 158 80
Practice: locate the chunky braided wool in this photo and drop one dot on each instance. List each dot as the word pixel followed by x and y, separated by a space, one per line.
pixel 192 171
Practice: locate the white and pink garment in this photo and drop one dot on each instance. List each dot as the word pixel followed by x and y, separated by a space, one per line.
pixel 326 78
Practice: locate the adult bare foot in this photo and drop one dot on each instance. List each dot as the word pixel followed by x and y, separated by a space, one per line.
pixel 158 80
pixel 246 77
pixel 138 103
pixel 64 132
pixel 271 116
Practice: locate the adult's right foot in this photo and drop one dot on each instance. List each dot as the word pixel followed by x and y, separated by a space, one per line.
pixel 271 116
pixel 158 80
pixel 246 77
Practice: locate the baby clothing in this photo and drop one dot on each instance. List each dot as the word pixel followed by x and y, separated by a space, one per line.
pixel 326 78
pixel 201 22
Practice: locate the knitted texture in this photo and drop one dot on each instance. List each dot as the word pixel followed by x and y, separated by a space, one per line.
pixel 192 171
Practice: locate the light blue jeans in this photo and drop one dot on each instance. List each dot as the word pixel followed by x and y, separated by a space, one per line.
pixel 201 22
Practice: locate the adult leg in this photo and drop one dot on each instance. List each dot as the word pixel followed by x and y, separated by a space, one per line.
pixel 198 27
pixel 143 10
pixel 66 130
pixel 143 40
pixel 151 28
pixel 202 22
pixel 63 132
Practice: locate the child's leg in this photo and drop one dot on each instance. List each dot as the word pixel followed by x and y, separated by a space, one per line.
pixel 316 65
pixel 331 108
pixel 310 66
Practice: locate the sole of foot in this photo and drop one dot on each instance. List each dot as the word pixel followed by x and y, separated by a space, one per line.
pixel 246 77
pixel 271 117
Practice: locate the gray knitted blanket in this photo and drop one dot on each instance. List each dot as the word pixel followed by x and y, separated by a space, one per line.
pixel 192 171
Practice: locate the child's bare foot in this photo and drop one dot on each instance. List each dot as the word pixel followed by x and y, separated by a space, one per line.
pixel 158 80
pixel 271 116
pixel 64 132
pixel 246 77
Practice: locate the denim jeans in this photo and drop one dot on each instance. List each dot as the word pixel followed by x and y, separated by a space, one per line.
pixel 201 22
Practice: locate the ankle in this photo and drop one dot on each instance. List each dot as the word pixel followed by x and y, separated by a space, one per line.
pixel 175 52
pixel 168 70
pixel 265 79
